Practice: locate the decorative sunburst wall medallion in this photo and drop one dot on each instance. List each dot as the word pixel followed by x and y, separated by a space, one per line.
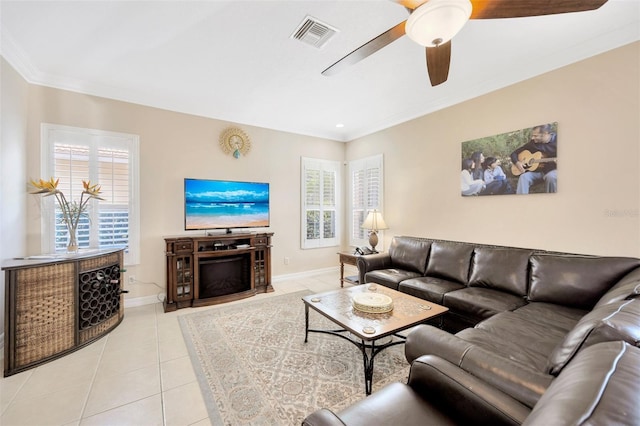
pixel 235 141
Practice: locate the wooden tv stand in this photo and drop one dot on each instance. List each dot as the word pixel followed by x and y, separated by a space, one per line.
pixel 243 262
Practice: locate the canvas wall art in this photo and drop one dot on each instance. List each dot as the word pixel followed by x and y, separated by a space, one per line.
pixel 518 162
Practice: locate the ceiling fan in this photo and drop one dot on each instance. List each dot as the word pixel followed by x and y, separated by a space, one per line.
pixel 433 23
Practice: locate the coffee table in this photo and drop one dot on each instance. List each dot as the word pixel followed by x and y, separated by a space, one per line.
pixel 367 328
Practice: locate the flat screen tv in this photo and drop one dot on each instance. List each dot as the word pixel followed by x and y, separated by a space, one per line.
pixel 224 204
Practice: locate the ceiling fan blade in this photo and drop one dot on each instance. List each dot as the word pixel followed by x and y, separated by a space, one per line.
pixel 438 60
pixel 491 9
pixel 367 49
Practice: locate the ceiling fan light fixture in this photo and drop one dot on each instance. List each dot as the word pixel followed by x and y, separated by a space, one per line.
pixel 437 21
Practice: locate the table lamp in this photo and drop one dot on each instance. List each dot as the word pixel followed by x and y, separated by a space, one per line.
pixel 374 222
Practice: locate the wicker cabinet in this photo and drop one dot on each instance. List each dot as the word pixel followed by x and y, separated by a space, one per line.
pixel 57 304
pixel 213 269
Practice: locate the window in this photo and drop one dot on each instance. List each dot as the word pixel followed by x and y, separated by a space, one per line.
pixel 108 159
pixel 365 180
pixel 320 203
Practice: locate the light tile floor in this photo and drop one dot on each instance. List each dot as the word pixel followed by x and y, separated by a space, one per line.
pixel 139 374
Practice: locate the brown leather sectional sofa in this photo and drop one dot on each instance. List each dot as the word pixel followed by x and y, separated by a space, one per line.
pixel 599 387
pixel 521 318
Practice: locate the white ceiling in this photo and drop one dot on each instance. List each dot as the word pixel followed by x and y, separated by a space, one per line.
pixel 235 60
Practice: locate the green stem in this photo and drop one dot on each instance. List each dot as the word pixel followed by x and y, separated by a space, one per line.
pixel 81 208
pixel 64 206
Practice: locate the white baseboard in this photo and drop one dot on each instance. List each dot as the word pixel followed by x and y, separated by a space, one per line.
pixel 140 301
pixel 149 300
pixel 305 274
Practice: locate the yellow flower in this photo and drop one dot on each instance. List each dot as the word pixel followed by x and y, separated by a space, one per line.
pixel 92 190
pixel 45 186
pixel 71 211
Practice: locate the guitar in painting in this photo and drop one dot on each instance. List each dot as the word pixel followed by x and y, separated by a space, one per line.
pixel 530 162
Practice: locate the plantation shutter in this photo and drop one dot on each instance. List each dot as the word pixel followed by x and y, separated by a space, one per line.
pixel 365 195
pixel 359 204
pixel 312 206
pixel 329 204
pixel 71 167
pixel 320 186
pixel 103 158
pixel 113 175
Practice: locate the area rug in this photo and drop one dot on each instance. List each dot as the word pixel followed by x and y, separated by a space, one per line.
pixel 255 369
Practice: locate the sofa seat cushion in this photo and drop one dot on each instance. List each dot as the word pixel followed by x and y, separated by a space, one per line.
pixel 613 321
pixel 389 277
pixel 429 288
pixel 477 303
pixel 502 347
pixel 501 269
pixel 515 337
pixel 599 387
pixel 516 378
pixel 559 317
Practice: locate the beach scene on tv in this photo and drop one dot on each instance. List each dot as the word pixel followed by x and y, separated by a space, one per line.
pixel 214 204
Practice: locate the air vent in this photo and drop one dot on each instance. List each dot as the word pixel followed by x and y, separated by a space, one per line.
pixel 314 32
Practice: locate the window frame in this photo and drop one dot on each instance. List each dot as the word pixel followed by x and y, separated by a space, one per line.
pixel 362 164
pixel 52 134
pixel 322 166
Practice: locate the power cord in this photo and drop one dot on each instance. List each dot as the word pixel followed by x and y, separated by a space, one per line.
pixel 160 296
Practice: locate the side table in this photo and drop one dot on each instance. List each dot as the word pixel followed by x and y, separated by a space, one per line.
pixel 349 259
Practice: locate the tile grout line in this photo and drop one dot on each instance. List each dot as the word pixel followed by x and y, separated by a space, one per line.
pixel 163 408
pixel 13 398
pixel 316 284
pixel 93 378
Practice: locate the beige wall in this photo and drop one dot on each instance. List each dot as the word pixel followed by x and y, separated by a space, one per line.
pixel 174 146
pixel 13 122
pixel 596 103
pixel 596 209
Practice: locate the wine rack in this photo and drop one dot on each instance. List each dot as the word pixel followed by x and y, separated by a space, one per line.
pixel 99 292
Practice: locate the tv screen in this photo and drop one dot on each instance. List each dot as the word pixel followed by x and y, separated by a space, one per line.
pixel 223 204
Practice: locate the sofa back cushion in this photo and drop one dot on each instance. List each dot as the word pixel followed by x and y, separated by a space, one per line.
pixel 577 281
pixel 600 387
pixel 450 260
pixel 627 288
pixel 503 269
pixel 610 322
pixel 409 253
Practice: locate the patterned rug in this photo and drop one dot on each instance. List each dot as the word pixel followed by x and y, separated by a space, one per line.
pixel 255 369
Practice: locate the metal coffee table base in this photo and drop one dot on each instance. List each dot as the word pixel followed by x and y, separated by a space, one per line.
pixel 369 349
pixel 368 329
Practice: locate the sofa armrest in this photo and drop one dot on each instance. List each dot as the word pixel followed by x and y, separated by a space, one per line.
pixel 513 378
pixel 427 339
pixel 464 397
pixel 322 417
pixel 372 262
pixel 600 386
pixel 438 393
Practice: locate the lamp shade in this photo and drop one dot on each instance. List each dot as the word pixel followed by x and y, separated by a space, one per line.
pixel 374 221
pixel 437 21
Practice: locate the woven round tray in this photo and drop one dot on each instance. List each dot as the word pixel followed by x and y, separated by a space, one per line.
pixel 373 303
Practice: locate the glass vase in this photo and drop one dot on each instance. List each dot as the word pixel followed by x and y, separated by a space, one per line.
pixel 72 241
